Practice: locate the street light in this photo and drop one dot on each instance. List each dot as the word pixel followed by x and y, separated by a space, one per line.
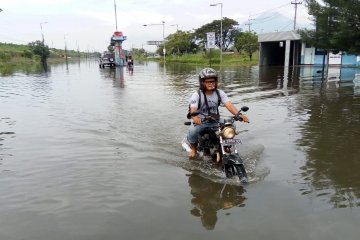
pixel 177 26
pixel 42 35
pixel 163 25
pixel 212 5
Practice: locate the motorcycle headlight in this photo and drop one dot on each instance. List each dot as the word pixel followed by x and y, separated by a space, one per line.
pixel 228 132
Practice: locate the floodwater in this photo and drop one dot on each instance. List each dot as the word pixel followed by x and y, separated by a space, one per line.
pixel 89 153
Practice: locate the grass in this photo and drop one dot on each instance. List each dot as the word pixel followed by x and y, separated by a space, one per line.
pixel 19 55
pixel 14 56
pixel 228 59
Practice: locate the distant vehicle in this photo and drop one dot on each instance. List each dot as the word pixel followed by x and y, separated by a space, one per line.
pixel 107 59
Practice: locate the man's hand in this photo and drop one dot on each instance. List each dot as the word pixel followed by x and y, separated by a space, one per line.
pixel 244 118
pixel 240 117
pixel 196 120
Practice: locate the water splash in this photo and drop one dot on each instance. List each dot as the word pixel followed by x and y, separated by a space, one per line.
pixel 250 154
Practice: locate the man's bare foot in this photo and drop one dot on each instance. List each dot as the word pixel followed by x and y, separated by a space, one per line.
pixel 192 157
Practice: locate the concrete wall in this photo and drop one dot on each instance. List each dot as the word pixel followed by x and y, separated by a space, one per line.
pixel 349 60
pixel 286 49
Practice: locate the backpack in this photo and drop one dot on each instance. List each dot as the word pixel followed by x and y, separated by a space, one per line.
pixel 199 104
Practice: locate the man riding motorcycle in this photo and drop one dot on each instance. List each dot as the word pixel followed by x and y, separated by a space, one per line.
pixel 205 103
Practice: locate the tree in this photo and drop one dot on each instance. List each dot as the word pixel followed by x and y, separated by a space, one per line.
pixel 179 43
pixel 39 48
pixel 247 42
pixel 110 48
pixel 229 31
pixel 337 25
pixel 138 52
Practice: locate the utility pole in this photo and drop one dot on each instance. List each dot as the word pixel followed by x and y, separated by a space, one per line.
pixel 221 28
pixel 295 3
pixel 250 19
pixel 115 16
pixel 163 25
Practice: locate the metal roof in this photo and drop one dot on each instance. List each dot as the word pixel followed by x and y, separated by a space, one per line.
pixel 278 36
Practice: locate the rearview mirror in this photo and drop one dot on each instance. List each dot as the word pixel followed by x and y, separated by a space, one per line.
pixel 244 108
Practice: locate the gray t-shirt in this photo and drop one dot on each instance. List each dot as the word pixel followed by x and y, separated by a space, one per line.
pixel 212 102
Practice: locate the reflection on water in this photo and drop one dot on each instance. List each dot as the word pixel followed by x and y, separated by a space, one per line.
pixel 330 138
pixel 208 198
pixel 8 70
pixel 328 113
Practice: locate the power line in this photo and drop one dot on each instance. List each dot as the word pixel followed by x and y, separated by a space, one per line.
pixel 269 10
pixel 267 19
pixel 285 27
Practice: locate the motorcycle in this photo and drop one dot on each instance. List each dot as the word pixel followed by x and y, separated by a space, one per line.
pixel 219 143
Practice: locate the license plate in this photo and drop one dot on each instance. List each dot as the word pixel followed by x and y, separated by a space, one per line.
pixel 231 141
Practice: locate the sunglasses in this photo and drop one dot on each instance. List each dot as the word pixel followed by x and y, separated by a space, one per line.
pixel 209 82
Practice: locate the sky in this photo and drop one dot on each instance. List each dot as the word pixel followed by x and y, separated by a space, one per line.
pixel 87 25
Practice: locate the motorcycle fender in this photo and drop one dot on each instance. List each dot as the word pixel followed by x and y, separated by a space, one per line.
pixel 232 159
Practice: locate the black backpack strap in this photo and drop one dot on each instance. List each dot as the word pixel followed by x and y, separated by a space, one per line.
pixel 219 98
pixel 207 105
pixel 219 101
pixel 199 104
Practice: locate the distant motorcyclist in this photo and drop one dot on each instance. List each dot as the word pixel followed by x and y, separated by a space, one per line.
pixel 204 103
pixel 130 64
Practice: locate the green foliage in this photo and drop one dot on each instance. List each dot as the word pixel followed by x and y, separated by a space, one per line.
pixel 15 48
pixel 185 42
pixel 247 42
pixel 337 25
pixel 179 43
pixel 27 54
pixel 110 48
pixel 229 32
pixel 203 59
pixel 5 57
pixel 37 58
pixel 39 48
pixel 138 52
pixel 19 56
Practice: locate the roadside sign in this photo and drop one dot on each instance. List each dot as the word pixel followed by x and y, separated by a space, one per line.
pixel 210 39
pixel 157 43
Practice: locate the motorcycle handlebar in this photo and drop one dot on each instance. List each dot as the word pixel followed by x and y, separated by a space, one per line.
pixel 237 117
pixel 188 123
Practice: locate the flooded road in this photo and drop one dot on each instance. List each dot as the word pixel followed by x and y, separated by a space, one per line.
pixel 89 153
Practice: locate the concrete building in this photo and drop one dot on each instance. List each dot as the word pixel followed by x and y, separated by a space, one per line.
pixel 287 49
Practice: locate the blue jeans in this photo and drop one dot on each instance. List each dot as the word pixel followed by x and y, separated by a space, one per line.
pixel 194 131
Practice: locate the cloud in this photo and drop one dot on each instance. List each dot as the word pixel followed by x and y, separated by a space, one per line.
pixel 90 23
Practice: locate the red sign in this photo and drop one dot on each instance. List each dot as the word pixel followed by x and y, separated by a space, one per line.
pixel 118 34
